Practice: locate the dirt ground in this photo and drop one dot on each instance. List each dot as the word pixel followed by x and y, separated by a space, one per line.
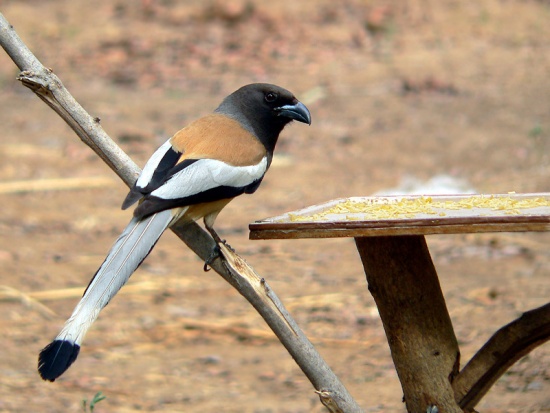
pixel 396 89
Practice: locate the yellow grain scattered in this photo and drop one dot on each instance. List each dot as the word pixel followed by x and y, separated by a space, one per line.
pixel 395 208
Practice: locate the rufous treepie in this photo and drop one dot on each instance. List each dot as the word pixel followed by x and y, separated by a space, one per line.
pixel 194 175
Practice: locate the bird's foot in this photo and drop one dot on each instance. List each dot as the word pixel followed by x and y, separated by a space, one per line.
pixel 214 254
pixel 229 247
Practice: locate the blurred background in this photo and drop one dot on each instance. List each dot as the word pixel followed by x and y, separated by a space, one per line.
pixel 430 96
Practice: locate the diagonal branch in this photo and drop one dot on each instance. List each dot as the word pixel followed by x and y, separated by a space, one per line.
pixel 503 349
pixel 49 88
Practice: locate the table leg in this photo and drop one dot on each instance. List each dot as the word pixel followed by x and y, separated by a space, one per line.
pixel 404 283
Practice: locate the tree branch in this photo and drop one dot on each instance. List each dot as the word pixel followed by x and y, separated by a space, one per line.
pixel 49 88
pixel 503 349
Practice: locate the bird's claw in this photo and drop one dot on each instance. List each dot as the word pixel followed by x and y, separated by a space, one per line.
pixel 216 253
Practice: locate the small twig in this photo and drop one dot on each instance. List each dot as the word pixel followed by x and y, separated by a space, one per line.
pixel 49 88
pixel 235 328
pixel 328 399
pixel 76 292
pixel 61 184
pixel 11 294
pixel 223 326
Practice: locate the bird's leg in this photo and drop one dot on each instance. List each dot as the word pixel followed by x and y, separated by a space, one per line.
pixel 213 233
pixel 216 252
pixel 217 238
pixel 209 225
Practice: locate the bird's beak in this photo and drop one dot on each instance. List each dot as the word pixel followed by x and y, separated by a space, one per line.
pixel 297 112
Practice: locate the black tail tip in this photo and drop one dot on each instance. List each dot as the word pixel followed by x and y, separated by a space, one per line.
pixel 56 358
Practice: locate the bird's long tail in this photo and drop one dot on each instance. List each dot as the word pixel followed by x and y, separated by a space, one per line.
pixel 129 250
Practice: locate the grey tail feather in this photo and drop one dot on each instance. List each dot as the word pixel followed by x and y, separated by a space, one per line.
pixel 125 256
pixel 128 252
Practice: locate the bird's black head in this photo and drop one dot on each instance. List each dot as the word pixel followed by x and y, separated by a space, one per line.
pixel 265 110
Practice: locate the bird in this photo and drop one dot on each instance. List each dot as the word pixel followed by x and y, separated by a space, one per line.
pixel 192 176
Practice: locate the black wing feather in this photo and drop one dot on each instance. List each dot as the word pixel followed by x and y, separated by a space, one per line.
pixel 161 174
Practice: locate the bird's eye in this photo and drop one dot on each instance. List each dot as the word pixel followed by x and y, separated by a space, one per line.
pixel 271 97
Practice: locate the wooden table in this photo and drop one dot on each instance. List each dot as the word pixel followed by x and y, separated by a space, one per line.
pixel 389 235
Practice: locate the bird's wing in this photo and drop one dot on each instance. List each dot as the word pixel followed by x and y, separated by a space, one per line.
pixel 213 151
pixel 154 173
pixel 196 181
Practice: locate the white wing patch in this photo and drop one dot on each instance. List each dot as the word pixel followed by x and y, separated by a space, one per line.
pixel 206 174
pixel 152 165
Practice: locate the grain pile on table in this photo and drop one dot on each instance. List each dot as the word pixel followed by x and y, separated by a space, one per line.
pixel 395 208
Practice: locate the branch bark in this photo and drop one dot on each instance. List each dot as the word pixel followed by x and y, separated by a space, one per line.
pixel 50 89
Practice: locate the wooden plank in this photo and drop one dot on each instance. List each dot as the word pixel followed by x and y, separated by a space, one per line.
pixel 410 215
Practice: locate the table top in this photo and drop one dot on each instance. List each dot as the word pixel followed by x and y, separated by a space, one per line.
pixel 410 215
